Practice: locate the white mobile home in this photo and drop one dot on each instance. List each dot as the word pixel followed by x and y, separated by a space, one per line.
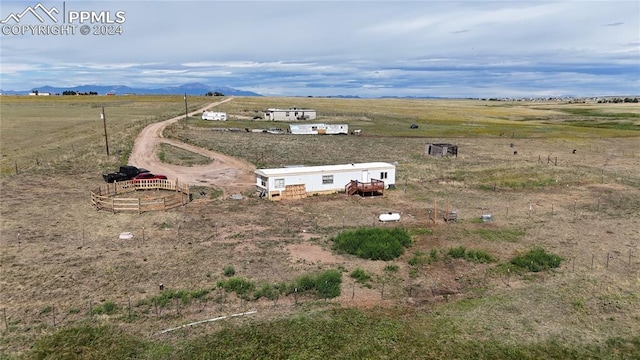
pixel 299 182
pixel 213 115
pixel 290 114
pixel 314 129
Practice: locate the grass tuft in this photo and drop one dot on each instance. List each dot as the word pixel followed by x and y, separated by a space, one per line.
pixel 537 260
pixel 373 243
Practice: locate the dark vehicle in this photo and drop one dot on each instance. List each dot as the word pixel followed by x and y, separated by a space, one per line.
pixel 413 126
pixel 125 173
pixel 148 176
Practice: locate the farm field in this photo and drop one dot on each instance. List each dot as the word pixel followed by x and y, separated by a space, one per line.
pixel 68 283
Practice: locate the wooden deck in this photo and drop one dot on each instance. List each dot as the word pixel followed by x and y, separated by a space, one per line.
pixel 373 188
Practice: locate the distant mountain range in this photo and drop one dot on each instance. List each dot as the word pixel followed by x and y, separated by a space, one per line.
pixel 189 89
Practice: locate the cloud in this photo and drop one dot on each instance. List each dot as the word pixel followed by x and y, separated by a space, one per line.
pixel 366 48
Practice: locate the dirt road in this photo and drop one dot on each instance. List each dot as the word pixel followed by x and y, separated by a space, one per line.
pixel 224 172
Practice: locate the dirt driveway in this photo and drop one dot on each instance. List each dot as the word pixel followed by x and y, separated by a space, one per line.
pixel 224 172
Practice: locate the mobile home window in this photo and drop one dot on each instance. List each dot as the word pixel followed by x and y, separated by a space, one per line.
pixel 286 113
pixel 327 179
pixel 384 175
pixel 278 183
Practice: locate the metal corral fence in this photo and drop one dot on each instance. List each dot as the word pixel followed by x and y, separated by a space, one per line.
pixel 106 197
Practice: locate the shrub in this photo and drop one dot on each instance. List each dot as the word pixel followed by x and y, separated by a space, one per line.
pixel 198 294
pixel 373 243
pixel 108 308
pixel 229 271
pixel 266 290
pixel 240 286
pixel 457 252
pixel 163 299
pixel 305 283
pixel 328 283
pixel 537 259
pixel 476 256
pixel 325 284
pixel 420 258
pixel 360 275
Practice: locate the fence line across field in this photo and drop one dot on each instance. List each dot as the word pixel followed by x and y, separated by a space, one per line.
pixel 218 300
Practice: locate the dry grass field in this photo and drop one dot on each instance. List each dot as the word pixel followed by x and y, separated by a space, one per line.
pixel 63 266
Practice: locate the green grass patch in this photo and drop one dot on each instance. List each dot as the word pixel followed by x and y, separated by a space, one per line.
pixel 360 275
pixel 342 333
pixel 536 260
pixel 325 284
pixel 242 287
pixel 89 342
pixel 420 231
pixel 373 243
pixel 166 296
pixel 178 156
pixel 391 268
pixel 420 258
pixel 269 291
pixel 476 256
pixel 108 308
pixel 499 235
pixel 600 114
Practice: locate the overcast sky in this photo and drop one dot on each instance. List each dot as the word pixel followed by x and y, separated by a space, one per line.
pixel 365 48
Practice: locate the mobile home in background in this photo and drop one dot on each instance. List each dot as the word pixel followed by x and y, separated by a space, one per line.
pixel 214 115
pixel 322 129
pixel 291 114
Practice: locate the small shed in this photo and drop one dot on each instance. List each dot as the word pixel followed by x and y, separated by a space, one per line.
pixel 213 115
pixel 302 181
pixel 441 150
pixel 290 114
pixel 314 129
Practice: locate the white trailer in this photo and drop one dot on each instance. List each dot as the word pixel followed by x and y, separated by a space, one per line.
pixel 302 181
pixel 291 114
pixel 214 115
pixel 314 129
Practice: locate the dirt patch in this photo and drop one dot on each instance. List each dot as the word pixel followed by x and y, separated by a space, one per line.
pixel 312 254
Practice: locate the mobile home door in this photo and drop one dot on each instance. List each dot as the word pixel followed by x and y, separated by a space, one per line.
pixel 365 176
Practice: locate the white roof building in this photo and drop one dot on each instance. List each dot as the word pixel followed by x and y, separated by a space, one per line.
pixel 299 182
pixel 291 114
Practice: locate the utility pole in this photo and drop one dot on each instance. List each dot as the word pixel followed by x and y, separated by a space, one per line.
pixel 104 122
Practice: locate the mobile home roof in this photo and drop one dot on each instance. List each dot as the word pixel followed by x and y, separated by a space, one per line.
pixel 322 169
